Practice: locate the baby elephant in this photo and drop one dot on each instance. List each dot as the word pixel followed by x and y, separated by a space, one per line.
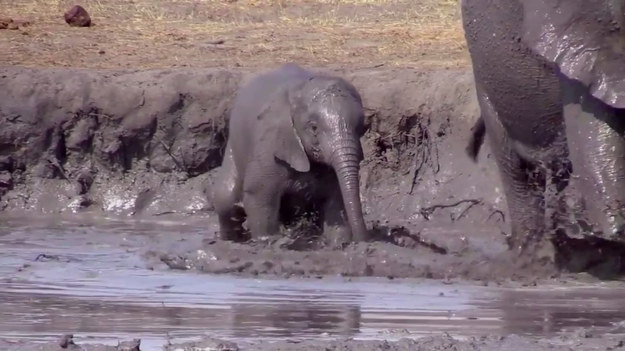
pixel 294 142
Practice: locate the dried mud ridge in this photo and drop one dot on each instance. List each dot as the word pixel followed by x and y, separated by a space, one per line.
pixel 147 143
pixel 581 339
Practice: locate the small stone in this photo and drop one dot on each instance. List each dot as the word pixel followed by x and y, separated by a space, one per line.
pixel 66 340
pixel 6 163
pixel 4 22
pixel 130 345
pixel 6 180
pixel 77 16
pixel 22 23
pixel 84 180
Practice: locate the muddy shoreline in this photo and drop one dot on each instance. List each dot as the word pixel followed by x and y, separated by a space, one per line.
pixel 145 144
pixel 582 338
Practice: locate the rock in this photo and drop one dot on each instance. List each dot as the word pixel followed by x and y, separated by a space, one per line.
pixel 22 23
pixel 67 341
pixel 6 163
pixel 77 16
pixel 6 180
pixel 5 22
pixel 9 23
pixel 130 345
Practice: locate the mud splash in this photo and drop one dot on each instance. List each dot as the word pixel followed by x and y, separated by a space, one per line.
pixel 86 276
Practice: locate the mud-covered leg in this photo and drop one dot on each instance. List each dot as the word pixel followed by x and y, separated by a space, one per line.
pixel 263 190
pixel 524 186
pixel 262 213
pixel 336 227
pixel 227 195
pixel 556 209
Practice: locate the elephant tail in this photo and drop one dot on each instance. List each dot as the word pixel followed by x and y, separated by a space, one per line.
pixel 477 139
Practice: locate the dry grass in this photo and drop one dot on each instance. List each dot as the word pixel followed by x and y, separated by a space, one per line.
pixel 166 33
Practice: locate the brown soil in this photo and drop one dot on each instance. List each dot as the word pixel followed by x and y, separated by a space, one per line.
pixel 225 33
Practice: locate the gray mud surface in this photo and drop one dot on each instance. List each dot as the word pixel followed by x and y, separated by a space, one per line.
pixel 143 146
pixel 146 144
pixel 582 340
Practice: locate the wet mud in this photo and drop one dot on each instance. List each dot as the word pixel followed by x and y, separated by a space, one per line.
pixel 579 341
pixel 146 144
pixel 62 274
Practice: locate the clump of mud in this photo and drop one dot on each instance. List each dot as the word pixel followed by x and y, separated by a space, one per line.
pixel 393 252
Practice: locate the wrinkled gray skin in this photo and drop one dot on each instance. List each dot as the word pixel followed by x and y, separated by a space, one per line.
pixel 294 143
pixel 550 80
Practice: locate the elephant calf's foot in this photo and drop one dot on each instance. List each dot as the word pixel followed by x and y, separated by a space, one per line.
pixel 231 225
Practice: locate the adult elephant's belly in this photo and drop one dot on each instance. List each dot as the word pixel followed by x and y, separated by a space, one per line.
pixel 521 86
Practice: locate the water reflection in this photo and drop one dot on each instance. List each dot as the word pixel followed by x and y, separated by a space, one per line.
pixel 545 312
pixel 47 314
pixel 294 320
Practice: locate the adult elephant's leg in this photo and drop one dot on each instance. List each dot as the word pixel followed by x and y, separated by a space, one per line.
pixel 595 134
pixel 524 186
pixel 227 195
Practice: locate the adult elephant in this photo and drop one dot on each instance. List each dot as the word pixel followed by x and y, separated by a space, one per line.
pixel 294 142
pixel 550 81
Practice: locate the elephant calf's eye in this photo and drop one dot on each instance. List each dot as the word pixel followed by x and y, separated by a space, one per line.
pixel 313 127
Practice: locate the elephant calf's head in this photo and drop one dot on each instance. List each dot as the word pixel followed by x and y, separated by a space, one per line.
pixel 328 117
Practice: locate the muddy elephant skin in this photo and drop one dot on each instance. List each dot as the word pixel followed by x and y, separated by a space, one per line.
pixel 551 102
pixel 294 142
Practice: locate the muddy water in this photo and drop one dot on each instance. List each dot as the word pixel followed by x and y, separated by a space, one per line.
pixel 89 278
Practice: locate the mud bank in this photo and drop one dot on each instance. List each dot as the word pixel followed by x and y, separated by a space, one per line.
pixel 582 339
pixel 118 141
pixel 147 143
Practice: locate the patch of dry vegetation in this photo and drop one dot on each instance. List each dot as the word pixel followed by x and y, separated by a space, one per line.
pixel 250 33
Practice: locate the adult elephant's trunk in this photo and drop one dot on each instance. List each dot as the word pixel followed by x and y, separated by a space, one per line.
pixel 346 163
pixel 595 135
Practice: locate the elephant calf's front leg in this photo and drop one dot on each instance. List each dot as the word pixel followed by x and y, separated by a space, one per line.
pixel 262 205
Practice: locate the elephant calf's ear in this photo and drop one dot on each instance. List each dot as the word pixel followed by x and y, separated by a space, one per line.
pixel 290 149
pixel 288 145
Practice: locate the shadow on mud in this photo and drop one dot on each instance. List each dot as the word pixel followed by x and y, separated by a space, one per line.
pixel 604 259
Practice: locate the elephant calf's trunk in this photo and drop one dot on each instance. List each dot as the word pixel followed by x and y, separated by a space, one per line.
pixel 347 166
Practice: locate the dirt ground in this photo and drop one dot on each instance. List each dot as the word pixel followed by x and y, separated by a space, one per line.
pixel 141 34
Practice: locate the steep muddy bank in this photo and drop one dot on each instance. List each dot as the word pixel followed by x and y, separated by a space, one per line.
pixel 146 144
pixel 119 141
